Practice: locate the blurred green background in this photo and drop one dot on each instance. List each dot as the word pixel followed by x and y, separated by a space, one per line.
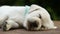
pixel 53 6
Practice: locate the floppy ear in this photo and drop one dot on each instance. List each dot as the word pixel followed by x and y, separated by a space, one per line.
pixel 34 7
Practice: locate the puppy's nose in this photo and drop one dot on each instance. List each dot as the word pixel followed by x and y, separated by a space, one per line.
pixel 32 25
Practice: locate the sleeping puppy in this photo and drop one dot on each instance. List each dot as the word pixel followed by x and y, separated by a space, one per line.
pixel 37 18
pixel 31 19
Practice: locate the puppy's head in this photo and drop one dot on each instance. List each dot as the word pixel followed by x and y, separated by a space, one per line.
pixel 32 24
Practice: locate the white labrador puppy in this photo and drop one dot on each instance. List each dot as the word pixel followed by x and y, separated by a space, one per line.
pixel 17 16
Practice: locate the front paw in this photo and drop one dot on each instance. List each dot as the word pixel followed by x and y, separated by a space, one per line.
pixel 6 26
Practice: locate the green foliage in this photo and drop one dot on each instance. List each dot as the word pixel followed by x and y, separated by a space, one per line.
pixel 52 13
pixel 19 2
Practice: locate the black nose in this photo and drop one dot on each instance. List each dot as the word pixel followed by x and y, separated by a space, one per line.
pixel 32 25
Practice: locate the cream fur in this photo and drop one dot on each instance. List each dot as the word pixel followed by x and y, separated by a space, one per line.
pixel 14 16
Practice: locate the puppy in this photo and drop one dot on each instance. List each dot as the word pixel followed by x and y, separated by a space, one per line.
pixel 20 16
pixel 33 17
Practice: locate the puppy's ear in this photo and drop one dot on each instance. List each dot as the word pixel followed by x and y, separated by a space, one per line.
pixel 34 7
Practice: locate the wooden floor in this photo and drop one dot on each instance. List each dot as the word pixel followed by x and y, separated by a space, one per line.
pixel 22 31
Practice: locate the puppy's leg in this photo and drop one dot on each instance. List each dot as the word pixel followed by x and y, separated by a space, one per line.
pixel 10 24
pixel 3 19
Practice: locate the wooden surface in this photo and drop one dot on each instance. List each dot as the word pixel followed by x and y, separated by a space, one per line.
pixel 22 31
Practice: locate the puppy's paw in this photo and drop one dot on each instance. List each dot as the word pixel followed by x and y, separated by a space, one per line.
pixel 54 27
pixel 6 26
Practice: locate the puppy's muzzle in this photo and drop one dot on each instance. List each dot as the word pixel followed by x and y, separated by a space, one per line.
pixel 32 25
